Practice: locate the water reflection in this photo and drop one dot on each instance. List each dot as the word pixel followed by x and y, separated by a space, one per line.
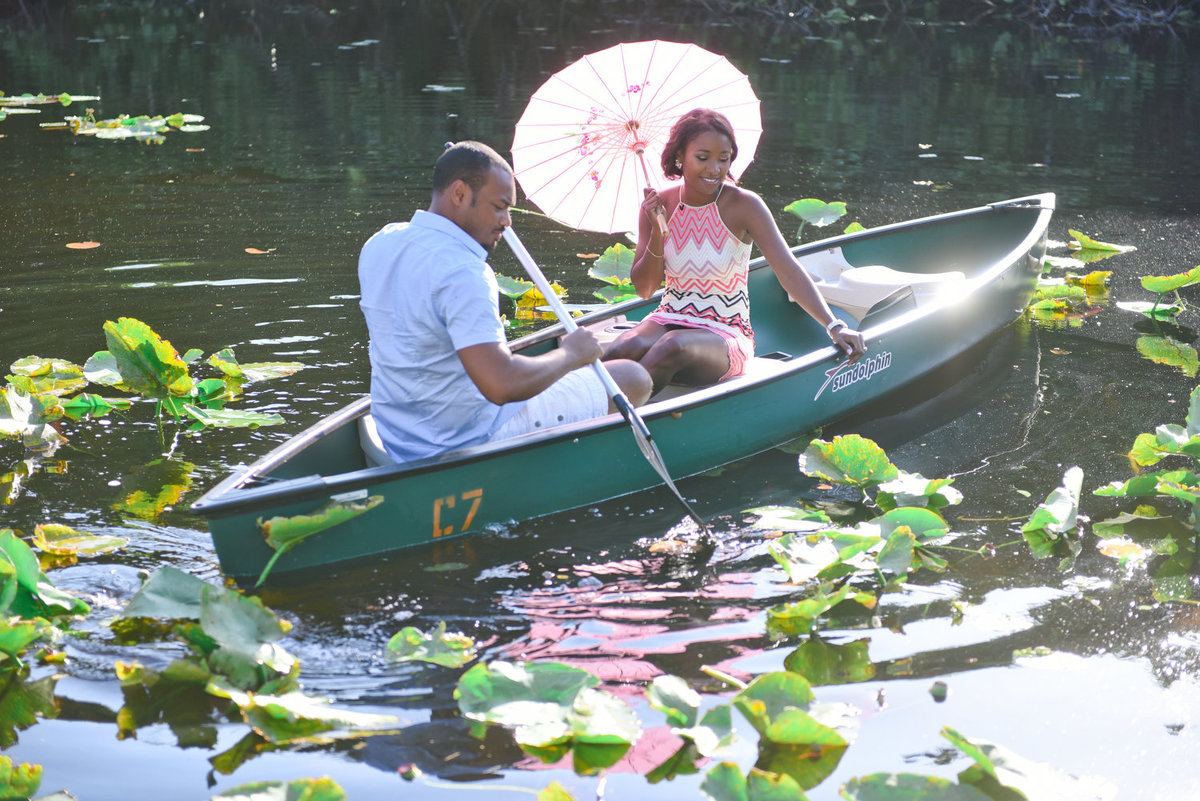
pixel 320 136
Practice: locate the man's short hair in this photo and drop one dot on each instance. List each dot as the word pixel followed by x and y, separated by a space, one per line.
pixel 470 162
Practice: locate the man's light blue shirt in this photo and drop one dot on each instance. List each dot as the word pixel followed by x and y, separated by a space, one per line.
pixel 427 292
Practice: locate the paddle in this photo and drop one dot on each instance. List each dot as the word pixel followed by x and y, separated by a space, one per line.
pixel 640 432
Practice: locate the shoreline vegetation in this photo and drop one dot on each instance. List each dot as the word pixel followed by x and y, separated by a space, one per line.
pixel 1113 16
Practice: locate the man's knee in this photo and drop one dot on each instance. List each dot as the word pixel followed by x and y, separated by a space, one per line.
pixel 633 380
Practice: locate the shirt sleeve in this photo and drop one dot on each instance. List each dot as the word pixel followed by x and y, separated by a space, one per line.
pixel 469 305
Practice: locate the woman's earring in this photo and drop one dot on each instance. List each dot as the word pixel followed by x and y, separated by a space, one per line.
pixel 678 163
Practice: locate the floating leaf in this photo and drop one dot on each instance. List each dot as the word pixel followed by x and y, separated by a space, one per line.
pixel 822 662
pixel 296 718
pixel 285 533
pixel 56 376
pixel 83 245
pixel 448 650
pixel 147 363
pixel 1170 283
pixel 817 212
pixel 788 518
pixel 1097 279
pixel 322 789
pixel 800 617
pixel 1057 516
pixel 908 787
pixel 848 459
pixel 1084 242
pixel 1171 352
pixel 64 540
pixel 913 489
pixel 1155 311
pixel 26 589
pixel 614 266
pixel 20 780
pixel 230 418
pixel 999 772
pixel 512 287
pixel 225 361
pixel 258 252
pixel 168 593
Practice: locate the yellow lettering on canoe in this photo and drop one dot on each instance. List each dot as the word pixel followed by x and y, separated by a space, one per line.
pixel 475 496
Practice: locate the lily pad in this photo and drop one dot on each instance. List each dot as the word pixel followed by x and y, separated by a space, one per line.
pixel 448 650
pixel 322 789
pixel 64 540
pixel 285 533
pixel 1170 283
pixel 848 459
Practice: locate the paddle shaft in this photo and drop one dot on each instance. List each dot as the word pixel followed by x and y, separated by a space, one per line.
pixel 640 432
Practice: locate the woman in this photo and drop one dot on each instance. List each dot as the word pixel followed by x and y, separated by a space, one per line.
pixel 697 234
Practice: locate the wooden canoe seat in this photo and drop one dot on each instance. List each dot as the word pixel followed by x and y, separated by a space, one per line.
pixel 856 290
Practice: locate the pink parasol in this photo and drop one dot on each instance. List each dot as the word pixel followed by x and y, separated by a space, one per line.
pixel 592 135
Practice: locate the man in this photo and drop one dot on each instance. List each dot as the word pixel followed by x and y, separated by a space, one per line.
pixel 442 375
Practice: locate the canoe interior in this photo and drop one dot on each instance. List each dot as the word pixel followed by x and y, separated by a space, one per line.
pixel 994 254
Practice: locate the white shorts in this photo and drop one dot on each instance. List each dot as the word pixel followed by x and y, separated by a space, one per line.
pixel 578 395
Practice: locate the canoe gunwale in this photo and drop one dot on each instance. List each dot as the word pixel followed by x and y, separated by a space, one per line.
pixel 252 488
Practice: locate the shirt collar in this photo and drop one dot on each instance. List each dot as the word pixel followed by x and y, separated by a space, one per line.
pixel 432 221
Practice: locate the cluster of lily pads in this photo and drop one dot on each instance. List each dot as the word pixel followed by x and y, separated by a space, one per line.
pixel 554 710
pixel 41 393
pixel 143 128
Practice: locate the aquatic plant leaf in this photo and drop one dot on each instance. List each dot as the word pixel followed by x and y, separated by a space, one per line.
pixel 102 369
pixel 913 489
pixel 1085 242
pixel 1051 521
pixel 29 417
pixel 16 635
pixel 854 228
pixel 23 703
pixel 817 212
pixel 764 786
pixel 1155 311
pixel 804 558
pixel 19 780
pixel 36 596
pixel 1096 279
pixel 1057 296
pixel 296 718
pixel 614 266
pixel 848 459
pixel 769 696
pixel 725 782
pixel 1145 526
pixel 908 787
pixel 86 404
pixel 551 708
pixel 681 763
pixel 788 518
pixel 1170 283
pixel 615 294
pixel 225 361
pixel 64 540
pixel 285 533
pixel 55 376
pixel 513 287
pixel 821 662
pixel 1171 352
pixel 147 363
pixel 673 697
pixel 1147 484
pixel 926 524
pixel 448 650
pixel 230 418
pixel 897 553
pixel 997 769
pixel 554 791
pixel 799 617
pixel 322 789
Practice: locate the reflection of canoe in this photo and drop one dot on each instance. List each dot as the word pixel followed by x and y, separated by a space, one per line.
pixel 923 292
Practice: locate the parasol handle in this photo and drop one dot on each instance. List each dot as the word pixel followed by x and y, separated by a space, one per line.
pixel 659 216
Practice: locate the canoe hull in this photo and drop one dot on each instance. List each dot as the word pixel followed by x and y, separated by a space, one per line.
pixel 543 473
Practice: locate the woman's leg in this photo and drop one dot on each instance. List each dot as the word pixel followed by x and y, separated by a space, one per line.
pixel 691 356
pixel 634 343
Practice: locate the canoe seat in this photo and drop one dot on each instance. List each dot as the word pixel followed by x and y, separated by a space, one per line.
pixel 372 445
pixel 856 290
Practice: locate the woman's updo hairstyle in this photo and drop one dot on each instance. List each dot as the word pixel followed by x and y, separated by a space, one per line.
pixel 687 128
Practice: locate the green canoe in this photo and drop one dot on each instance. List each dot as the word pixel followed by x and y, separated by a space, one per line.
pixel 921 291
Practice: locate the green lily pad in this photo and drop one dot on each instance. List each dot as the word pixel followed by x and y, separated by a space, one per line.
pixel 322 789
pixel 64 540
pixel 1083 242
pixel 908 787
pixel 147 363
pixel 817 212
pixel 1171 283
pixel 20 780
pixel 448 650
pixel 225 361
pixel 821 662
pixel 614 266
pixel 1171 352
pixel 285 533
pixel 849 459
pixel 56 376
pixel 1057 516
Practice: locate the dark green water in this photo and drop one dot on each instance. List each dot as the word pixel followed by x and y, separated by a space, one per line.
pixel 319 138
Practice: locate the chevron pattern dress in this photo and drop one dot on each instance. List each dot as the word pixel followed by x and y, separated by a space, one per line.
pixel 706 269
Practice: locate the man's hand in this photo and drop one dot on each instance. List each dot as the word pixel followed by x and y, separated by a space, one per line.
pixel 581 347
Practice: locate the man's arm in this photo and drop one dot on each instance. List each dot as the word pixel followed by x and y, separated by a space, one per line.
pixel 503 376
